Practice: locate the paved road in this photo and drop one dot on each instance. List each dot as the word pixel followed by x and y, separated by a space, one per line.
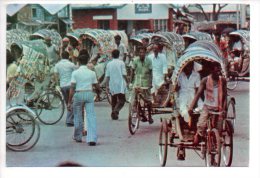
pixel 117 148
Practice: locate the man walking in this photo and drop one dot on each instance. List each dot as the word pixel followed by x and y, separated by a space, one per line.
pixel 116 83
pixel 121 47
pixel 63 71
pixel 82 82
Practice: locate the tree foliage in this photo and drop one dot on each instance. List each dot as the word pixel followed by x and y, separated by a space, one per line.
pixel 215 12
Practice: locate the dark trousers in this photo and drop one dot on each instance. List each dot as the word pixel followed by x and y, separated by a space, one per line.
pixel 118 101
pixel 65 92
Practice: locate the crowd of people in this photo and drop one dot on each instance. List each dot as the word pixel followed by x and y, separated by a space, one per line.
pixel 149 71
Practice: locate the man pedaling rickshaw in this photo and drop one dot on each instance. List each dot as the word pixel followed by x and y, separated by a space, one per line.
pixel 214 88
pixel 141 75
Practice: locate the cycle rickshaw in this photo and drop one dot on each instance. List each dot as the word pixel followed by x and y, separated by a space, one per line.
pixel 138 108
pixel 173 134
pixel 193 36
pixel 33 85
pixel 98 41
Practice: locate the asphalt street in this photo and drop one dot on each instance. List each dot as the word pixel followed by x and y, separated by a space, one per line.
pixel 116 147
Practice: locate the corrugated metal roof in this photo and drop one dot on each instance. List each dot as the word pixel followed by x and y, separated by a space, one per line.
pixel 53 9
pixel 12 9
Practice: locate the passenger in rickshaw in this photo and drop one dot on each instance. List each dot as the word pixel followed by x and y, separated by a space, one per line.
pixel 159 68
pixel 233 61
pixel 141 77
pixel 187 86
pixel 121 47
pixel 214 88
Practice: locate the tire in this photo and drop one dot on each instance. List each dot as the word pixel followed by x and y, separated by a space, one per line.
pixel 231 84
pixel 231 114
pixel 20 127
pixel 133 119
pixel 50 108
pixel 213 149
pixel 163 143
pixel 227 145
pixel 31 143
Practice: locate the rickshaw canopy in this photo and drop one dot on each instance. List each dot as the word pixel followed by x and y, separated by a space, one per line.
pixel 43 33
pixel 244 36
pixel 198 36
pixel 16 35
pixel 197 55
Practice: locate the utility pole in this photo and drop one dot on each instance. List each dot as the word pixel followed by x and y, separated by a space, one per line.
pixel 238 16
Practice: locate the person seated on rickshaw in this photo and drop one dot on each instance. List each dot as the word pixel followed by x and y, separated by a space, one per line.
pixel 159 68
pixel 187 86
pixel 233 61
pixel 141 75
pixel 215 90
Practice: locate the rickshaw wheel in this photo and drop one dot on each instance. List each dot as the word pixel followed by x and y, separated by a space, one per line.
pixel 28 143
pixel 50 108
pixel 163 142
pixel 231 83
pixel 231 114
pixel 133 119
pixel 227 145
pixel 213 149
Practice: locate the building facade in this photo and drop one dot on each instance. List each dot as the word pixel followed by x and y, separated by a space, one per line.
pixel 128 17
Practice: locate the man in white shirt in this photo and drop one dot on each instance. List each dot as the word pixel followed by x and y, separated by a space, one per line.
pixel 116 83
pixel 188 84
pixel 82 82
pixel 63 70
pixel 121 47
pixel 159 65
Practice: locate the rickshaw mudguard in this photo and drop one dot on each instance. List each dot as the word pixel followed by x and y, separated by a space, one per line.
pixel 21 108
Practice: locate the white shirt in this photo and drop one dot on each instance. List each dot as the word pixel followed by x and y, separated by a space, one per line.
pixel 64 68
pixel 159 69
pixel 187 92
pixel 188 85
pixel 84 78
pixel 237 45
pixel 115 71
pixel 122 49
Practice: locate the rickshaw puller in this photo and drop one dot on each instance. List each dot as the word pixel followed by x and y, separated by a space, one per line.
pixel 214 88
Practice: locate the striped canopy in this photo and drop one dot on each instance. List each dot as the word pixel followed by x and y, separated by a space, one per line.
pixel 16 35
pixel 197 55
pixel 244 35
pixel 43 33
pixel 198 36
